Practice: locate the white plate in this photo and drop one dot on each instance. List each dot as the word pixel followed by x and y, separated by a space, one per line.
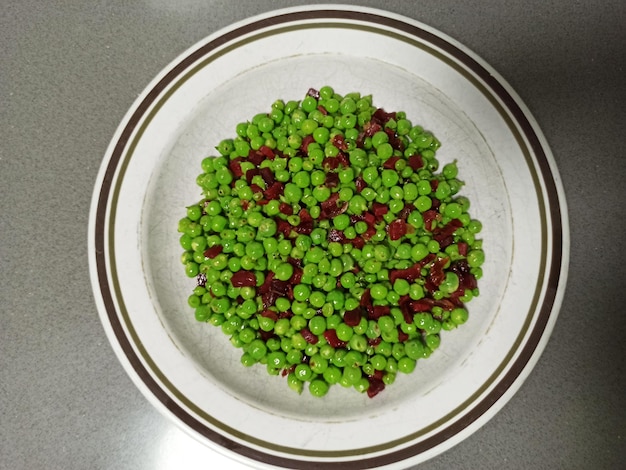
pixel 192 373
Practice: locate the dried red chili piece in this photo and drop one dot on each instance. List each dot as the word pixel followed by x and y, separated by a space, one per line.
pixel 339 142
pixel 267 152
pixel 267 175
pixel 332 180
pixel 379 210
pixel 308 336
pixel 376 386
pixel 333 340
pixel 267 313
pixel 397 229
pixel 379 311
pixel 360 183
pixel 390 163
pixel 274 191
pixel 213 251
pixel 285 208
pixel 352 317
pixel 235 167
pixel 243 279
pixel 306 141
pixel 429 217
pixel 415 162
pixel 256 157
pixel 436 275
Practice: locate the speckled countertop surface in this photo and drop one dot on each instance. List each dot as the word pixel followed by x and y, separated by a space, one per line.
pixel 69 70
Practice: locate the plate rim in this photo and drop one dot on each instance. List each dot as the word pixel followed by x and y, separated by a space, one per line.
pixel 556 278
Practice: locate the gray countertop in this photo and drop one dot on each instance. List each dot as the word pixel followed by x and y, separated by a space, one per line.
pixel 69 70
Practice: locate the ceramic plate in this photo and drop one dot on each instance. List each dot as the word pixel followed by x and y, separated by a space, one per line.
pixel 190 371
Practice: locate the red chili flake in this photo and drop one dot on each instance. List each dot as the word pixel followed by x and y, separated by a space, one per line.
pixel 378 374
pixel 256 157
pixel 283 227
pixel 402 336
pixel 266 335
pixel 235 167
pixel 332 179
pixel 330 163
pixel 390 163
pixel 397 229
pixel 369 233
pixel 274 191
pixel 371 128
pixel 381 115
pixel 335 235
pixel 251 173
pixel 357 242
pixel 304 215
pixel 395 142
pixel 415 162
pixel 285 314
pixel 256 188
pixel 330 209
pixel 285 208
pixel 314 93
pixel 265 287
pixel 366 298
pixel 379 311
pixel 434 184
pixel 436 274
pixel 369 218
pixel 379 209
pixel 288 370
pixel 267 175
pixel 445 304
pixel 463 248
pixel 213 251
pixel 305 227
pixel 412 273
pixel 343 159
pixel 333 340
pixel 352 317
pixel 441 233
pixel 296 277
pixel 429 217
pixel 340 142
pixel 446 242
pixel 360 183
pixel 308 336
pixel 306 141
pixel 422 305
pixel 267 313
pixel 406 211
pixel 360 140
pixel 376 386
pixel 354 218
pixel 322 110
pixel 267 152
pixel 243 279
pixel 374 341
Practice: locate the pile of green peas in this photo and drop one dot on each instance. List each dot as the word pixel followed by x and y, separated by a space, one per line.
pixel 328 246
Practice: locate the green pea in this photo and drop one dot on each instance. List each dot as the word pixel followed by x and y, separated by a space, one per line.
pixel 318 388
pixel 475 258
pixel 332 374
